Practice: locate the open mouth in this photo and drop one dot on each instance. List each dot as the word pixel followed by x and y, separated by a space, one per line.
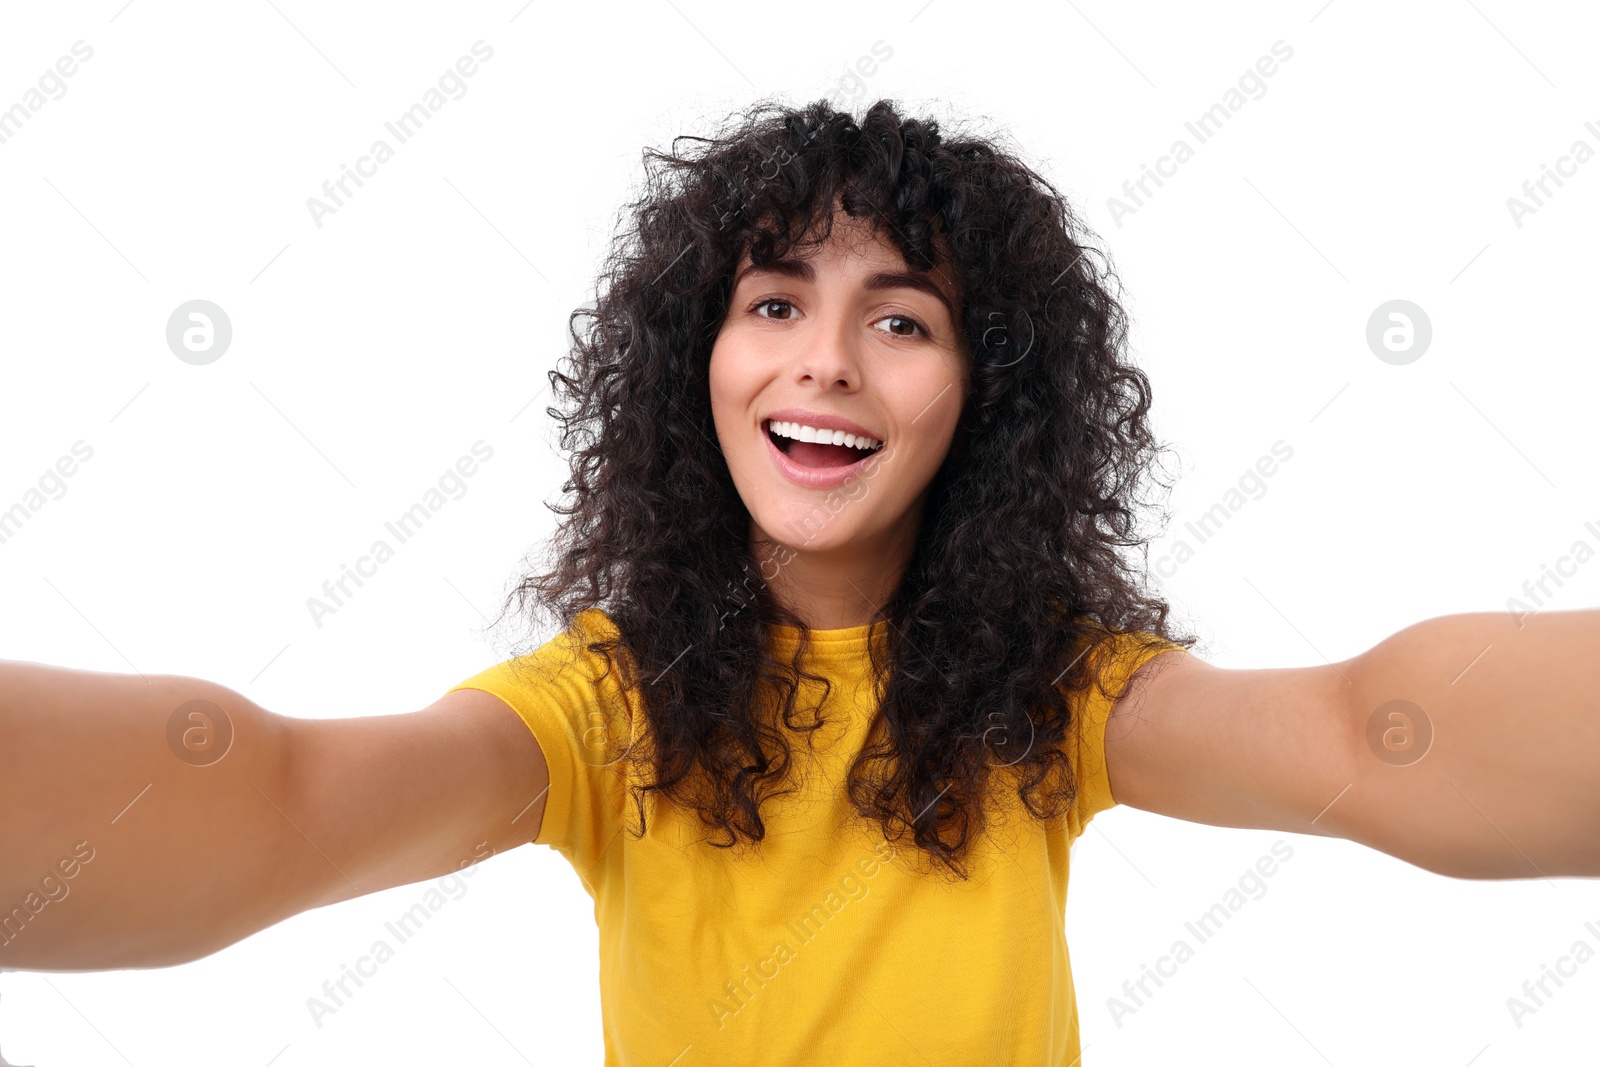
pixel 835 449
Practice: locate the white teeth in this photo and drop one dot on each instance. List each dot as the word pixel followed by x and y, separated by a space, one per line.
pixel 801 432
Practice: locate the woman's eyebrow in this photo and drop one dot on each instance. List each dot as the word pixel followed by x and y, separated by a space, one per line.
pixel 906 280
pixel 802 270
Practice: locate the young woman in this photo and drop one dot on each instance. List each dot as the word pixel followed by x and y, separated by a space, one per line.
pixel 848 649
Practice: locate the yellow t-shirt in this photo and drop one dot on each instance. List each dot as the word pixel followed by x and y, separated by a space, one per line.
pixel 825 946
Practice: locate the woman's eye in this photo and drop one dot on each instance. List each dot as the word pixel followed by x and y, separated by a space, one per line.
pixel 769 304
pixel 903 321
pixel 783 310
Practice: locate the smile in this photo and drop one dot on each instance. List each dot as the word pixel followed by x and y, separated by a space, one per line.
pixel 817 464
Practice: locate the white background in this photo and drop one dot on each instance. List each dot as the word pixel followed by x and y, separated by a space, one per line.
pixel 368 354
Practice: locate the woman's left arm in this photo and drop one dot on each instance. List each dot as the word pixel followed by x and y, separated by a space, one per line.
pixel 1468 745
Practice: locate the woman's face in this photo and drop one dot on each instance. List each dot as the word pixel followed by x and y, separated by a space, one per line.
pixel 842 339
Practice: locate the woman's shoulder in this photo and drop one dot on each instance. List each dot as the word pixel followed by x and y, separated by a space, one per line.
pixel 582 655
pixel 1115 654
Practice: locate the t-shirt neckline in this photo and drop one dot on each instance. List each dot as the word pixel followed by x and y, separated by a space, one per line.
pixel 843 639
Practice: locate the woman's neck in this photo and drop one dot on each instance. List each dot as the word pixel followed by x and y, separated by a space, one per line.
pixel 835 588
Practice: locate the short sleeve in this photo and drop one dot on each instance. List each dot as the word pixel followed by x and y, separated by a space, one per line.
pixel 1114 659
pixel 582 725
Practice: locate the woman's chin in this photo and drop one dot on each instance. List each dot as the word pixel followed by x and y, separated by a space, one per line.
pixel 803 528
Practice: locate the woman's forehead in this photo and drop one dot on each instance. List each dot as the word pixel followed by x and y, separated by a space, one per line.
pixel 858 239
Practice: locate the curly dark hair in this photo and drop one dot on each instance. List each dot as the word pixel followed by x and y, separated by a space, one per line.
pixel 1020 561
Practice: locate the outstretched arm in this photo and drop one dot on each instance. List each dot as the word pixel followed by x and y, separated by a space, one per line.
pixel 149 821
pixel 1468 745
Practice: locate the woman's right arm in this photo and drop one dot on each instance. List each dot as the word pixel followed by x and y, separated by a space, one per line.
pixel 148 821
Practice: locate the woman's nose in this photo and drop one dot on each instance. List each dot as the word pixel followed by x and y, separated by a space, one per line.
pixel 829 353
